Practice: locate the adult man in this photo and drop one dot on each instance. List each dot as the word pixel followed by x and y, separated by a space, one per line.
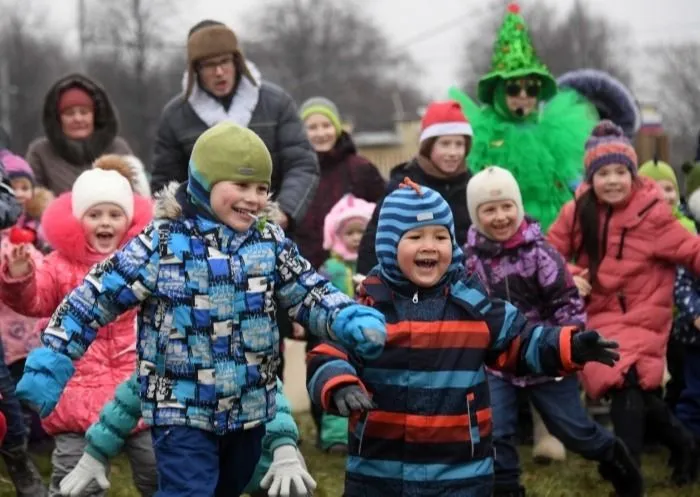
pixel 222 86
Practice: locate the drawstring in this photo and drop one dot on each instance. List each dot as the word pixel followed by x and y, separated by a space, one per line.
pixel 363 420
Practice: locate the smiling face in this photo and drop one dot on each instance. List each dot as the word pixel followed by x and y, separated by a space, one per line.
pixel 424 255
pixel 448 153
pixel 498 219
pixel 321 133
pixel 78 122
pixel 234 203
pixel 217 74
pixel 24 190
pixel 351 234
pixel 612 184
pixel 105 226
pixel 668 190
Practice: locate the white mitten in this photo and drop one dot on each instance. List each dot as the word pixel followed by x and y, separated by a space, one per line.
pixel 288 468
pixel 87 470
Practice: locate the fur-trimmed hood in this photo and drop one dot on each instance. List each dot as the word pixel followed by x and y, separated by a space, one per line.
pixel 169 207
pixel 106 123
pixel 40 201
pixel 65 233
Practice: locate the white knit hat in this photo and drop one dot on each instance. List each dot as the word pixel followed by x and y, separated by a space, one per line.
pixel 490 185
pixel 98 186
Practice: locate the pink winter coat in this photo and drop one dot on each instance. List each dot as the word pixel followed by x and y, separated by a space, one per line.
pixel 20 334
pixel 111 359
pixel 632 301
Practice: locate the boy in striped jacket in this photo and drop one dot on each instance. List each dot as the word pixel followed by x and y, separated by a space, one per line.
pixel 420 415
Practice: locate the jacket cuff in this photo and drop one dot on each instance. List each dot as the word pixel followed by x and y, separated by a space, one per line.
pixel 565 349
pixel 9 280
pixel 94 452
pixel 280 441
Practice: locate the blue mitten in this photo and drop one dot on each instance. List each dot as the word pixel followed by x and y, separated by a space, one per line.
pixel 361 329
pixel 46 373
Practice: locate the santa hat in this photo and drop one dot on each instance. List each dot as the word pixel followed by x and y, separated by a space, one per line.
pixel 347 208
pixel 444 118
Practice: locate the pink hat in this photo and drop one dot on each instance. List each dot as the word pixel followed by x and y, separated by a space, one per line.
pixel 16 167
pixel 444 118
pixel 348 207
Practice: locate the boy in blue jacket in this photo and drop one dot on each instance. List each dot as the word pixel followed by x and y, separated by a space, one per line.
pixel 207 275
pixel 426 427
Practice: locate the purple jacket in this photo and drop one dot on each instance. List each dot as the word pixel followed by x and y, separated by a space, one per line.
pixel 529 273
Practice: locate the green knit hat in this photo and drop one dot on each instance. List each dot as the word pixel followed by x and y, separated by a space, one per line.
pixel 658 171
pixel 226 152
pixel 323 106
pixel 515 57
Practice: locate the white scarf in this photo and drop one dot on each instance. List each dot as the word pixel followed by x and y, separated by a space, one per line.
pixel 244 101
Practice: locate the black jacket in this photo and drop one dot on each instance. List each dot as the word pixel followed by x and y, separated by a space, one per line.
pixel 295 172
pixel 453 190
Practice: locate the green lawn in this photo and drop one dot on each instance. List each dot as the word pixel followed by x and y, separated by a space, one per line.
pixel 575 478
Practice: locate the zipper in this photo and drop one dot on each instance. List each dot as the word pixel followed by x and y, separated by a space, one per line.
pixel 469 424
pixel 623 302
pixel 415 298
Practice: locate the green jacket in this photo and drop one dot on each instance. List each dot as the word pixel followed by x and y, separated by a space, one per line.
pixel 120 416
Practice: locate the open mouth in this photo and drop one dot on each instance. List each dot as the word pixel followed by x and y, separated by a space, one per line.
pixel 245 212
pixel 105 236
pixel 426 263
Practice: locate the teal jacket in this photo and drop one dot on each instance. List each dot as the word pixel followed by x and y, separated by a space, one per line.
pixel 120 416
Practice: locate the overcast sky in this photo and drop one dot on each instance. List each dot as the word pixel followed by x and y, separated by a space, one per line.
pixel 648 21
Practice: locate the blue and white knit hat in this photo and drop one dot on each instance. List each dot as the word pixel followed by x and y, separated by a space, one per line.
pixel 409 207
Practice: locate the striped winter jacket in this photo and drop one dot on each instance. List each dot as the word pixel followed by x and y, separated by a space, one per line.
pixel 430 434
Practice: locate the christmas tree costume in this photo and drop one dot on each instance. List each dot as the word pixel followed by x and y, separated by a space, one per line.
pixel 543 149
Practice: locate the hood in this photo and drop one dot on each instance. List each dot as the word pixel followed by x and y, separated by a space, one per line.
pixel 80 152
pixel 528 233
pixel 65 233
pixel 169 206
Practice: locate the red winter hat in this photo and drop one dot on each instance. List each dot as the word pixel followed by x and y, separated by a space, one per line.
pixel 444 118
pixel 73 97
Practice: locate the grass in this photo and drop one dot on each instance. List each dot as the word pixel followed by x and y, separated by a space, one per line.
pixel 574 478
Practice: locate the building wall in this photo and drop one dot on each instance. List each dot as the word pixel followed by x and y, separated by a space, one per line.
pixel 386 157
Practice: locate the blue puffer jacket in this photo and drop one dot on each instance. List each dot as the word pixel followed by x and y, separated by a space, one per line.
pixel 208 342
pixel 120 416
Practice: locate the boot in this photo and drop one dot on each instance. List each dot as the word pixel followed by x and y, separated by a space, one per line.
pixel 546 448
pixel 23 472
pixel 621 471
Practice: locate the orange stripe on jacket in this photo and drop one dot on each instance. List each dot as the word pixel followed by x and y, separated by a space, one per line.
pixel 438 335
pixel 508 359
pixel 325 349
pixel 565 336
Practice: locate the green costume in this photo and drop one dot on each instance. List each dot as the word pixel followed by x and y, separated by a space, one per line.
pixel 543 150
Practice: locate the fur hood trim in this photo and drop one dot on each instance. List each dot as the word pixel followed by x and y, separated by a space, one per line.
pixel 40 201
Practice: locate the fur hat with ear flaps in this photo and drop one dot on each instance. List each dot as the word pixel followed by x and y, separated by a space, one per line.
pixel 691 170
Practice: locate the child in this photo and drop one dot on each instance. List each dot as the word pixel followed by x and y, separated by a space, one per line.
pixel 625 244
pixel 665 177
pixel 507 250
pixel 431 431
pixel 342 231
pixel 84 226
pixel 118 418
pixel 208 276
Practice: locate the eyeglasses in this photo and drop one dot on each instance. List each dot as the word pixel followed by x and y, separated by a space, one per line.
pixel 213 65
pixel 514 88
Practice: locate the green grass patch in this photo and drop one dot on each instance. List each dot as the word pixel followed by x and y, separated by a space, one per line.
pixel 574 478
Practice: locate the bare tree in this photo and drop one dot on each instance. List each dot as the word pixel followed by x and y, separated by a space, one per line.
pixel 323 47
pixel 579 39
pixel 32 62
pixel 679 76
pixel 129 54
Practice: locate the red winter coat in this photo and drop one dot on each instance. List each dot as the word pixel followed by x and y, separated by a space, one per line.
pixel 111 359
pixel 632 301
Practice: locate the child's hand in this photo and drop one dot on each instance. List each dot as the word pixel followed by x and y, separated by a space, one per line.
pixel 582 283
pixel 589 346
pixel 361 329
pixel 298 331
pixel 18 261
pixel 352 398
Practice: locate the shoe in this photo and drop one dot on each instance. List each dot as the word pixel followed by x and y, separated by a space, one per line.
pixel 684 462
pixel 622 472
pixel 545 448
pixel 23 472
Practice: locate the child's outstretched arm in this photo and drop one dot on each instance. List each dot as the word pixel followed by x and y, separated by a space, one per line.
pixel 105 439
pixel 561 236
pixel 110 288
pixel 33 291
pixel 521 348
pixel 316 304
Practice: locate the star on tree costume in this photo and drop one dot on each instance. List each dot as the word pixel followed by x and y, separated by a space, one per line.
pixel 543 150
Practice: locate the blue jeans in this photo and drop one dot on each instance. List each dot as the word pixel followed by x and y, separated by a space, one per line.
pixel 10 407
pixel 196 463
pixel 688 405
pixel 559 404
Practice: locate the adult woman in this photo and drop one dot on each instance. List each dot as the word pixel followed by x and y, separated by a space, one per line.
pixel 80 125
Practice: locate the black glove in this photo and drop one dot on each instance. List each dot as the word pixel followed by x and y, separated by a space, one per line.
pixel 589 346
pixel 352 398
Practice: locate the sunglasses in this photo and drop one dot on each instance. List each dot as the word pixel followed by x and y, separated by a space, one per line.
pixel 514 88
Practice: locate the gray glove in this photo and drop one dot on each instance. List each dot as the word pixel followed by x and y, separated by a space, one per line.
pixel 352 398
